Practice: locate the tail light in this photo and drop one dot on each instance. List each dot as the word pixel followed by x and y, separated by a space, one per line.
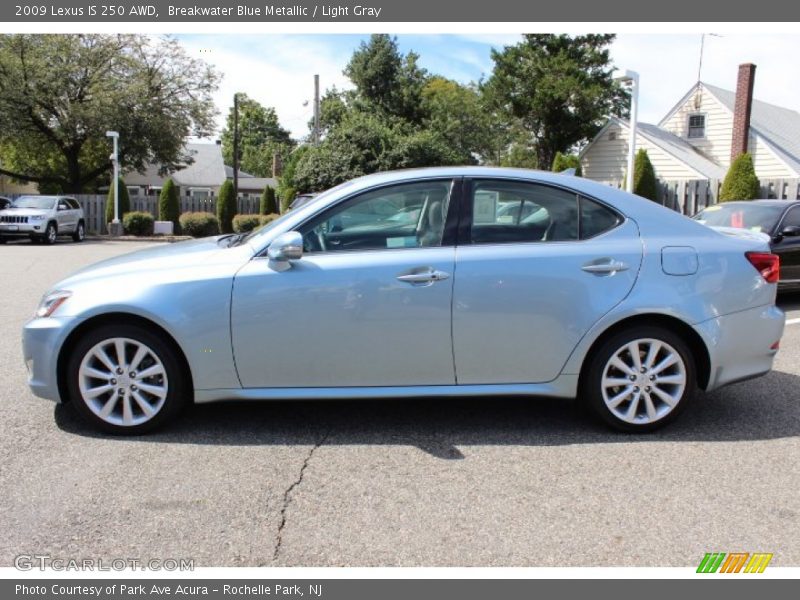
pixel 769 265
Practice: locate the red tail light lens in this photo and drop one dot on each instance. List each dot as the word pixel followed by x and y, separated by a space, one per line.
pixel 769 265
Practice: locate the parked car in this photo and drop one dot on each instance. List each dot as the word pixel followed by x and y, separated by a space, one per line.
pixel 608 297
pixel 301 200
pixel 43 218
pixel 777 220
pixel 4 202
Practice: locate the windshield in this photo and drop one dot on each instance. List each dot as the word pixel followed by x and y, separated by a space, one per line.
pixel 755 217
pixel 42 202
pixel 270 226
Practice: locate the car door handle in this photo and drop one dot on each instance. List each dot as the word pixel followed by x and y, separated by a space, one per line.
pixel 606 266
pixel 424 277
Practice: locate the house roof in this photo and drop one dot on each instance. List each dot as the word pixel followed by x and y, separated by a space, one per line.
pixel 677 147
pixel 206 170
pixel 779 127
pixel 251 182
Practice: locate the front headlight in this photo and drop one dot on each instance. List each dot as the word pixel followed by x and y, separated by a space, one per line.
pixel 51 302
pixel 36 218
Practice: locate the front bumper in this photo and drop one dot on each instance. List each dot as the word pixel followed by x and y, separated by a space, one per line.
pixel 23 229
pixel 741 344
pixel 42 340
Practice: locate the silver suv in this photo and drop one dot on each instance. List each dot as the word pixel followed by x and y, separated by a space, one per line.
pixel 43 218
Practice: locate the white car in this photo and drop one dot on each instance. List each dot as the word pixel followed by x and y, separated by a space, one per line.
pixel 43 218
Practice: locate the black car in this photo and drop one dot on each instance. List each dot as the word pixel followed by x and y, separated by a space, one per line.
pixel 779 219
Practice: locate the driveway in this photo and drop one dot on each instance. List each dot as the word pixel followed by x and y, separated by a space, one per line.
pixel 489 481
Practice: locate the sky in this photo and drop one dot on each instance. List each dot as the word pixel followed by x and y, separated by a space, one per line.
pixel 278 70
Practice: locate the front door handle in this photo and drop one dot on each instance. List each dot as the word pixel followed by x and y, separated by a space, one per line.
pixel 426 277
pixel 605 266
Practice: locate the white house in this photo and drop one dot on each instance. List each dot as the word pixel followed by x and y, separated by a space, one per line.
pixel 699 136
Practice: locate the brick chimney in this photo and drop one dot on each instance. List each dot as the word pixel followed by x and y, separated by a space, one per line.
pixel 742 109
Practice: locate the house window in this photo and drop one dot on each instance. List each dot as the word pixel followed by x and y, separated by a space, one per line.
pixel 697 126
pixel 612 136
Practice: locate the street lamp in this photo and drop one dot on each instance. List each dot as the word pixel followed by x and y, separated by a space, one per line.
pixel 631 77
pixel 115 161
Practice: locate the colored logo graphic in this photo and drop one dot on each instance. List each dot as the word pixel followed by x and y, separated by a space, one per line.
pixel 734 562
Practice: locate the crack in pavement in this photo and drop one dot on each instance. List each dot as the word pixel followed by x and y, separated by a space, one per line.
pixel 287 495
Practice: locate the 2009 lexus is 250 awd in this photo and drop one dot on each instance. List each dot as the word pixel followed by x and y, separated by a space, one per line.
pixel 435 282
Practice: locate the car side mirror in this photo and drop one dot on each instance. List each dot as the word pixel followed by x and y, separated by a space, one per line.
pixel 287 246
pixel 790 231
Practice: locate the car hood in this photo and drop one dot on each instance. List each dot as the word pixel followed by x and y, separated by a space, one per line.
pixel 24 212
pixel 160 260
pixel 745 234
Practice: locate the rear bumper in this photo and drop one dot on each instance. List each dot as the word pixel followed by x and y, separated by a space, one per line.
pixel 740 344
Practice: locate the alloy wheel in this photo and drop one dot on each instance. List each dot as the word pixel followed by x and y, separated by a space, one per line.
pixel 643 381
pixel 123 381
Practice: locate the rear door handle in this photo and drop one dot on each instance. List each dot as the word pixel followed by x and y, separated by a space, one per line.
pixel 605 266
pixel 424 277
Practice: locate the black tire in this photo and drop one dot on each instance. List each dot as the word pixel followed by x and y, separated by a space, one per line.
pixel 177 391
pixel 593 392
pixel 2 240
pixel 50 234
pixel 80 232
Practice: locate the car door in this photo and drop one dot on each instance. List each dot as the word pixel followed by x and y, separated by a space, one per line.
pixel 64 216
pixel 538 267
pixel 368 304
pixel 788 247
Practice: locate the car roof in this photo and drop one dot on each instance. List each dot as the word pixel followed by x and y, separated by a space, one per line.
pixel 763 202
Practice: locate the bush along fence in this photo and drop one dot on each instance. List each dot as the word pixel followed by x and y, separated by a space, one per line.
pixel 690 196
pixel 94 207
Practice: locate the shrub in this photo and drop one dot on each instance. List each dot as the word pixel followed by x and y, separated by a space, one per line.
pixel 199 224
pixel 268 204
pixel 169 208
pixel 566 161
pixel 740 182
pixel 287 196
pixel 644 177
pixel 246 223
pixel 138 223
pixel 226 207
pixel 124 201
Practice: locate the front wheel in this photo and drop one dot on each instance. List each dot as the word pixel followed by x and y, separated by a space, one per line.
pixel 50 234
pixel 125 380
pixel 640 379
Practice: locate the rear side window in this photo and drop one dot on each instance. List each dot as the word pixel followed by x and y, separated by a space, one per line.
pixel 596 218
pixel 520 212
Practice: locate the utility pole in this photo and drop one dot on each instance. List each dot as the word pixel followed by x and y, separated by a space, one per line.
pixel 236 146
pixel 316 110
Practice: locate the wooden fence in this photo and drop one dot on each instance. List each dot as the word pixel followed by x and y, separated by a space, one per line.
pixel 94 207
pixel 690 196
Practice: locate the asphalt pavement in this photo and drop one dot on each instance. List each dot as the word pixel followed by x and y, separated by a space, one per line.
pixel 447 482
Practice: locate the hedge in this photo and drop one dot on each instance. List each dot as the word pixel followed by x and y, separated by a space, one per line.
pixel 199 224
pixel 246 223
pixel 138 223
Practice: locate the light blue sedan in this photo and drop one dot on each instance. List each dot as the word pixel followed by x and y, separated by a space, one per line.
pixel 437 282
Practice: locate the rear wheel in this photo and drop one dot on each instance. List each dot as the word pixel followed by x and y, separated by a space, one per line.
pixel 124 379
pixel 50 234
pixel 640 379
pixel 80 233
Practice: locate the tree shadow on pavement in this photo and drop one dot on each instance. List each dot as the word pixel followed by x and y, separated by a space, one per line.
pixel 761 409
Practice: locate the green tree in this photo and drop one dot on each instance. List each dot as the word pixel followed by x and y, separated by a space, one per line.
pixel 740 182
pixel 169 208
pixel 268 206
pixel 59 94
pixel 563 162
pixel 644 176
pixel 226 206
pixel 260 136
pixel 560 89
pixel 124 201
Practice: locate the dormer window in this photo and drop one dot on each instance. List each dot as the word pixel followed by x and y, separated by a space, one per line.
pixel 697 126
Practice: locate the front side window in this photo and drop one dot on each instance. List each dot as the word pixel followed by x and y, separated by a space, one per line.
pixel 73 204
pixel 697 126
pixel 410 215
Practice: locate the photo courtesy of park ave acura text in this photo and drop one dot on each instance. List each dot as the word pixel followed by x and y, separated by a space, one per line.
pixel 355 299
